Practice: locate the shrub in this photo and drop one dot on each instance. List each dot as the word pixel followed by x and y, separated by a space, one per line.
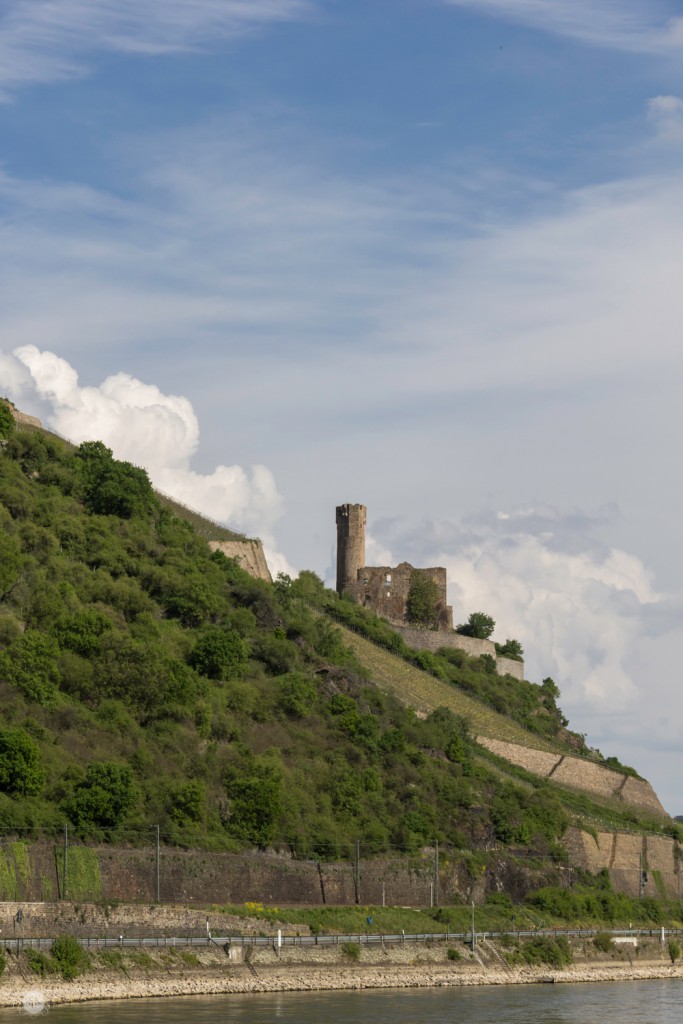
pixel 674 948
pixel 544 950
pixel 220 654
pixel 351 950
pixel 3 962
pixel 69 956
pixel 111 487
pixel 453 954
pixel 38 962
pixel 603 942
pixel 30 664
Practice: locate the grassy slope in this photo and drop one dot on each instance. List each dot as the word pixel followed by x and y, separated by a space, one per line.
pixel 425 693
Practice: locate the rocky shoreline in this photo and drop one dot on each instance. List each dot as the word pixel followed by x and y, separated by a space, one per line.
pixel 213 976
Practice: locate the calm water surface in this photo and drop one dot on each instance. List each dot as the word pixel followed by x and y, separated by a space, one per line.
pixel 645 1002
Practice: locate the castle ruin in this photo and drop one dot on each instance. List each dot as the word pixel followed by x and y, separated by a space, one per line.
pixel 386 590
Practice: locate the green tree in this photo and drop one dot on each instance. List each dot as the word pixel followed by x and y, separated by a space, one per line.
pixel 111 487
pixel 189 801
pixel 422 602
pixel 6 420
pixel 21 771
pixel 220 654
pixel 104 797
pixel 297 694
pixel 255 802
pixel 30 664
pixel 82 632
pixel 10 565
pixel 479 625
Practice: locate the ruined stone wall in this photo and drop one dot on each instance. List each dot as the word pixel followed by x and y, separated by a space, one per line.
pixel 579 773
pixel 385 589
pixel 432 639
pixel 249 554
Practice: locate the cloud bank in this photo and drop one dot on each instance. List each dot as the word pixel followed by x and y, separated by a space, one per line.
pixel 588 615
pixel 144 426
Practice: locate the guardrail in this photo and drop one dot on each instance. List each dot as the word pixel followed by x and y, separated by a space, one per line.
pixel 110 942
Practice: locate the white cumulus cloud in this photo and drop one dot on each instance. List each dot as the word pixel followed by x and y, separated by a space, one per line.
pixel 587 614
pixel 149 428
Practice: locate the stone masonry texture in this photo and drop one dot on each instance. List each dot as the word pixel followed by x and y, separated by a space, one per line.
pixel 249 554
pixel 432 639
pixel 623 854
pixel 578 773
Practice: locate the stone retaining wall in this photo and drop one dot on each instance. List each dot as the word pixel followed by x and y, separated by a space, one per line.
pixel 249 554
pixel 624 855
pixel 433 639
pixel 579 773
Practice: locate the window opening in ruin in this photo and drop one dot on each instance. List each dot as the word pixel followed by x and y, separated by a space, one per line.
pixel 388 579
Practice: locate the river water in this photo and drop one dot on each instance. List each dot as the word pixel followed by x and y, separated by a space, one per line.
pixel 636 1002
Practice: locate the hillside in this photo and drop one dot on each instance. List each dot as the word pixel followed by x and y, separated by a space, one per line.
pixel 145 680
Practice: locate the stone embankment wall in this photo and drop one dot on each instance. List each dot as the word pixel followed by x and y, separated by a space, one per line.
pixel 249 554
pixel 578 773
pixel 625 855
pixel 433 639
pixel 34 873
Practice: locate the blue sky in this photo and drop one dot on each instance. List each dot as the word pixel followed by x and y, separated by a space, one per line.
pixel 423 254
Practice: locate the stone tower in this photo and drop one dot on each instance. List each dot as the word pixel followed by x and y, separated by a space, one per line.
pixel 350 543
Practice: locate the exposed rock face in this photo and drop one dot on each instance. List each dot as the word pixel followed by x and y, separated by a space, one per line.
pixel 249 554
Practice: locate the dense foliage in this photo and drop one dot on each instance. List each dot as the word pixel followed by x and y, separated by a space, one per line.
pixel 533 706
pixel 145 681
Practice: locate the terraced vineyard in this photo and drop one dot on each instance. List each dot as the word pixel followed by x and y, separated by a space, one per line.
pixel 425 693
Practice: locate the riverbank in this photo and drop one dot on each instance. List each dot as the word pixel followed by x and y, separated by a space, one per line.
pixel 139 974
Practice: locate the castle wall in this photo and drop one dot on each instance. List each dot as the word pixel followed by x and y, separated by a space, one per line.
pixel 385 589
pixel 249 554
pixel 432 639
